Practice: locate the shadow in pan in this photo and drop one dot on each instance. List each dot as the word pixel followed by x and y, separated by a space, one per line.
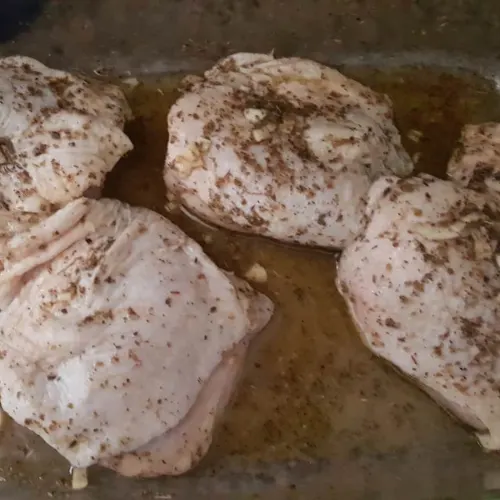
pixel 17 15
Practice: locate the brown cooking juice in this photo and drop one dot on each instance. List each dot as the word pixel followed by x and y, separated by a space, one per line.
pixel 312 393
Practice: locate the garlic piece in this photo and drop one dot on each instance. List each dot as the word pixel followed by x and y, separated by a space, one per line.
pixel 482 246
pixel 192 158
pixel 255 115
pixel 497 259
pixel 439 233
pixel 415 135
pixel 79 479
pixel 256 273
pixel 171 206
pixel 131 82
pixel 263 133
pixel 260 134
pixel 452 230
pixel 472 217
pixel 262 79
pixel 203 144
pixel 184 167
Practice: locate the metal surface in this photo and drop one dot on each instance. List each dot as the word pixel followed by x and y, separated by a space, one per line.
pixel 383 438
pixel 172 34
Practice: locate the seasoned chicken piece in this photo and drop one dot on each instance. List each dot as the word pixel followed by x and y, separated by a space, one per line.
pixel 423 286
pixel 119 335
pixel 284 148
pixel 475 163
pixel 59 134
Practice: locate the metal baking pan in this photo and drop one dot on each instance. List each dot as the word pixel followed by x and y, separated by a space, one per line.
pixel 317 416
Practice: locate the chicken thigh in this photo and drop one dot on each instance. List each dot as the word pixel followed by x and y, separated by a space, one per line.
pixel 423 285
pixel 284 148
pixel 120 340
pixel 59 134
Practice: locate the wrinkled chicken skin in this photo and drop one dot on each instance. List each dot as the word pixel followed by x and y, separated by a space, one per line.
pixel 59 135
pixel 284 148
pixel 119 335
pixel 423 285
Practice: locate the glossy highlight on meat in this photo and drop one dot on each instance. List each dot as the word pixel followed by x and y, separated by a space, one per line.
pixel 283 148
pixel 121 341
pixel 60 134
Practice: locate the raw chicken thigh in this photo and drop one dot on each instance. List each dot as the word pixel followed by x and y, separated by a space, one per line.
pixel 120 340
pixel 423 286
pixel 284 148
pixel 59 134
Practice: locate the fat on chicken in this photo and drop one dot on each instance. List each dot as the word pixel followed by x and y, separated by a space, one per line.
pixel 60 134
pixel 284 148
pixel 422 284
pixel 120 340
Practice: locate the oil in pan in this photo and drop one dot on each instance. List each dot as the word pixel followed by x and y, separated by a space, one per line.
pixel 314 402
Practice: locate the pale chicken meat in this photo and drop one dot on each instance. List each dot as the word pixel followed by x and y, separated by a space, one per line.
pixel 283 148
pixel 175 452
pixel 59 134
pixel 121 341
pixel 423 286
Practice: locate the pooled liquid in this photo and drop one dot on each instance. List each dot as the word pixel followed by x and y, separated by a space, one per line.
pixel 316 413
